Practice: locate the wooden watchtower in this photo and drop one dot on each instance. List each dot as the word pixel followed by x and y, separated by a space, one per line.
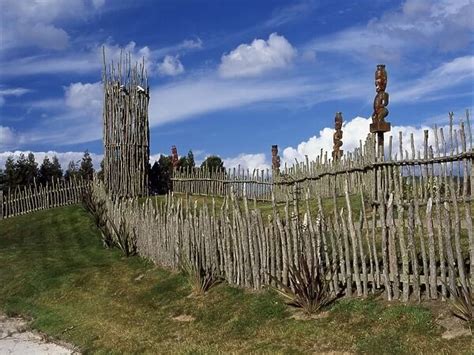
pixel 126 128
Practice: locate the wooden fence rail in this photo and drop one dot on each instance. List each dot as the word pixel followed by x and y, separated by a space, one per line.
pixel 26 199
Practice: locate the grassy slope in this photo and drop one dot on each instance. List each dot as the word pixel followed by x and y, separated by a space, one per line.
pixel 54 269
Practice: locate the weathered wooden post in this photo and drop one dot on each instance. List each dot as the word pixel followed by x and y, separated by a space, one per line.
pixel 1 204
pixel 276 161
pixel 126 128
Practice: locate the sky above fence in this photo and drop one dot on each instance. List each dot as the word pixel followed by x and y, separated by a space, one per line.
pixel 231 77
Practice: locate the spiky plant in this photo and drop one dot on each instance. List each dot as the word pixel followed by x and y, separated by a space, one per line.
pixel 310 287
pixel 125 237
pixel 201 278
pixel 462 302
pixel 96 207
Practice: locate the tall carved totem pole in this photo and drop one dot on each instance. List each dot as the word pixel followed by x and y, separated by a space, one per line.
pixel 126 128
pixel 379 126
pixel 174 157
pixel 337 137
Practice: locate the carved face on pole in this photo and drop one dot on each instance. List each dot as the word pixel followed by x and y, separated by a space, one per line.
pixel 274 150
pixel 380 78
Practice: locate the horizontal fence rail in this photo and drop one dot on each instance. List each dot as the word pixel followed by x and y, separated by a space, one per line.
pixel 26 199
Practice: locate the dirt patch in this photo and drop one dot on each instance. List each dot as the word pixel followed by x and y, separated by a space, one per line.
pixel 453 326
pixel 15 338
pixel 300 315
pixel 183 318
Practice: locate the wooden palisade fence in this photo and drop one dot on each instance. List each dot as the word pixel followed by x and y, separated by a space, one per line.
pixel 26 199
pixel 445 157
pixel 405 226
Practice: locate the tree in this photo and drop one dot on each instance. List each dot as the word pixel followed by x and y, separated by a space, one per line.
pixel 57 170
pixel 10 173
pixel 213 163
pixel 31 169
pixel 3 180
pixel 160 175
pixel 100 174
pixel 72 171
pixel 50 170
pixel 26 170
pixel 86 171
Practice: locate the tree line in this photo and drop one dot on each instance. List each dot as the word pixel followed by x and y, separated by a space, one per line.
pixel 162 170
pixel 25 170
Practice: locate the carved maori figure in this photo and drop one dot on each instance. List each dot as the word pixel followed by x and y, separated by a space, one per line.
pixel 275 158
pixel 381 98
pixel 174 157
pixel 337 137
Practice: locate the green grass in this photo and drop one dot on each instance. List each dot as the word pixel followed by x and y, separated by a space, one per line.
pixel 54 270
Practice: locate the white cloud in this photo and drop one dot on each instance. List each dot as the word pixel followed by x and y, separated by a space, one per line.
pixel 358 128
pixel 247 161
pixel 83 62
pixel 8 137
pixel 192 97
pixel 458 71
pixel 63 157
pixel 444 25
pixel 88 97
pixel 171 66
pixel 12 92
pixel 354 131
pixel 291 13
pixel 26 23
pixel 259 57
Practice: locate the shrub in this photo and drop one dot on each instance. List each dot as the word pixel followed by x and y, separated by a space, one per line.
pixel 310 287
pixel 462 303
pixel 201 278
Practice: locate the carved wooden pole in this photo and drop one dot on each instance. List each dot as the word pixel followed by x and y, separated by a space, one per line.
pixel 379 126
pixel 174 157
pixel 337 137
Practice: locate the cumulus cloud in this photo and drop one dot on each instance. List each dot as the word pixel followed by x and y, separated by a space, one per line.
pixel 86 96
pixel 258 57
pixel 170 66
pixel 247 161
pixel 358 128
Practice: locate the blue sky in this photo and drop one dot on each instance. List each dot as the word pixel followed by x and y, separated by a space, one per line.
pixel 231 77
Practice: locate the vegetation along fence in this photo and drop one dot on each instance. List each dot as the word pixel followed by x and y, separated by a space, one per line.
pixel 22 200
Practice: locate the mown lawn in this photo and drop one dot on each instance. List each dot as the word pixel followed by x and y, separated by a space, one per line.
pixel 53 269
